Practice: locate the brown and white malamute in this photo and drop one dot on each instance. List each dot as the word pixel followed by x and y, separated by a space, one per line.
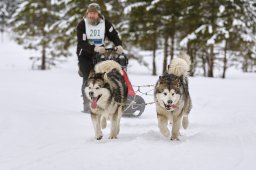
pixel 173 102
pixel 107 93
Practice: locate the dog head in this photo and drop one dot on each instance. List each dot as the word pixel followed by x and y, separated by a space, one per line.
pixel 168 92
pixel 97 90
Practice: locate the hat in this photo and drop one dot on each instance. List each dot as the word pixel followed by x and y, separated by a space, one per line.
pixel 93 7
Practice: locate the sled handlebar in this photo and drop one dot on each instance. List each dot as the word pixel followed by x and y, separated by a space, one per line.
pixel 119 58
pixel 110 49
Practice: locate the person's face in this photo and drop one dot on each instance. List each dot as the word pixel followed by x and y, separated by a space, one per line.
pixel 93 16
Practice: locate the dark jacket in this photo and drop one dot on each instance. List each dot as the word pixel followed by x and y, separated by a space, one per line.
pixel 84 50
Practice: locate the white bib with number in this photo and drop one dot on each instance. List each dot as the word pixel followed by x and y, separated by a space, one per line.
pixel 95 34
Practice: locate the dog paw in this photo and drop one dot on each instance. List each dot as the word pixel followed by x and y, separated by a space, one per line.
pixel 99 137
pixel 112 137
pixel 175 138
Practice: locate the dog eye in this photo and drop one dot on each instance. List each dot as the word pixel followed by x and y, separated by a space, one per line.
pixel 165 94
pixel 172 94
pixel 97 88
pixel 90 88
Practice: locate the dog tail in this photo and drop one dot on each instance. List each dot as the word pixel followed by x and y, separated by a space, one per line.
pixel 185 57
pixel 185 121
pixel 180 65
pixel 107 66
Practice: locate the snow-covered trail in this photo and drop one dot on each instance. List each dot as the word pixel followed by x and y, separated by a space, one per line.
pixel 41 126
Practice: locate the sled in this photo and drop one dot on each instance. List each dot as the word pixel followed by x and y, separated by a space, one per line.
pixel 135 104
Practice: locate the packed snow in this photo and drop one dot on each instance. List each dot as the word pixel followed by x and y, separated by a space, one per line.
pixel 42 126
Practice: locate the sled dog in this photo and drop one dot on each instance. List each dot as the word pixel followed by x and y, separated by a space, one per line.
pixel 107 92
pixel 173 102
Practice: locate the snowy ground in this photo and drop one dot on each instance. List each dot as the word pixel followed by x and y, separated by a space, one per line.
pixel 42 128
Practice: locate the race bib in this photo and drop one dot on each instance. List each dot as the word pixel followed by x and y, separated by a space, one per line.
pixel 95 34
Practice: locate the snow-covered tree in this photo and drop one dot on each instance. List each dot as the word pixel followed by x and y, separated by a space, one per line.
pixel 3 15
pixel 248 35
pixel 33 27
pixel 220 26
pixel 144 26
pixel 154 23
pixel 7 8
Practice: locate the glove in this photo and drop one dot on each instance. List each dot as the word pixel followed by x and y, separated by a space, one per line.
pixel 100 49
pixel 119 49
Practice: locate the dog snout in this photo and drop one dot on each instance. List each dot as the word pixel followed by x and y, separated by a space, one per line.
pixel 91 94
pixel 169 101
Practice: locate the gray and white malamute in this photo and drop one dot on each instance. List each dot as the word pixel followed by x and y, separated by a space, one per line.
pixel 107 93
pixel 173 102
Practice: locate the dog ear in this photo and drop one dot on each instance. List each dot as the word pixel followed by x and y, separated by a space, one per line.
pixel 176 82
pixel 92 73
pixel 160 80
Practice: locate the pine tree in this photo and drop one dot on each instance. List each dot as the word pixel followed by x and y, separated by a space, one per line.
pixel 219 25
pixel 32 24
pixel 115 12
pixel 171 17
pixel 7 8
pixel 191 20
pixel 145 26
pixel 3 15
pixel 248 34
